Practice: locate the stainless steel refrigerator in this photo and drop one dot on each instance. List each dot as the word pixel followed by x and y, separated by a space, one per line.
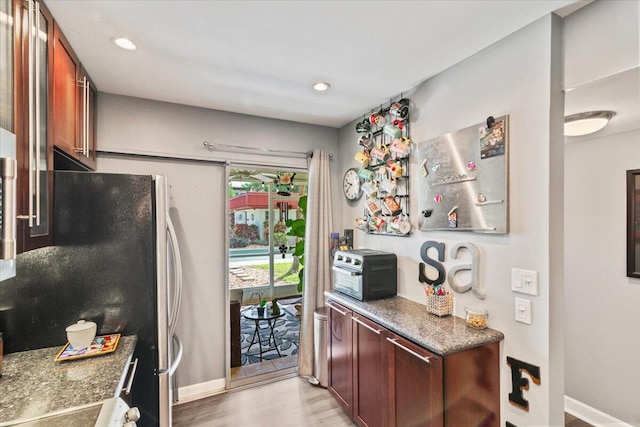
pixel 115 261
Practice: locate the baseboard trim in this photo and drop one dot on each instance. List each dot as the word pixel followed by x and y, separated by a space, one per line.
pixel 591 415
pixel 200 391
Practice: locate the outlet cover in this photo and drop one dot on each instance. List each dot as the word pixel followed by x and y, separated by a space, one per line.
pixel 523 310
pixel 524 281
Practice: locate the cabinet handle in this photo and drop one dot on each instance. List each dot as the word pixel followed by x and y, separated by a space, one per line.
pixel 377 331
pixel 86 126
pixel 346 272
pixel 344 313
pixel 8 168
pixel 84 115
pixel 31 109
pixel 83 135
pixel 395 342
pixel 133 366
pixel 36 17
pixel 34 111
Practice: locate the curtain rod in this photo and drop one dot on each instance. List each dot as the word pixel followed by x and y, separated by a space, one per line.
pixel 218 146
pixel 155 155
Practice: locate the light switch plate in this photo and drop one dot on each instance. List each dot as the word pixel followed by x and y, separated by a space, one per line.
pixel 524 281
pixel 523 310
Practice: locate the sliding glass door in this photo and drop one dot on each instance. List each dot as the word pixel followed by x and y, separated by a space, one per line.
pixel 262 264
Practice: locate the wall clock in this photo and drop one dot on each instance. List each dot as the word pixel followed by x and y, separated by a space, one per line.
pixel 351 185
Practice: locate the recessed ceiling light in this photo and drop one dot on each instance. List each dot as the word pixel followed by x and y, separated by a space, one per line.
pixel 125 43
pixel 586 123
pixel 321 86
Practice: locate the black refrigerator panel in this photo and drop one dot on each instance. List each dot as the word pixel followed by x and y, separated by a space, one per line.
pixel 101 268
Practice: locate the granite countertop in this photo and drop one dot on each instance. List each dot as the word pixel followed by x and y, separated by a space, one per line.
pixel 33 385
pixel 409 319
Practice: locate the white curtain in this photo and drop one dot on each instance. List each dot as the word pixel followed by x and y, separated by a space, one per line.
pixel 317 259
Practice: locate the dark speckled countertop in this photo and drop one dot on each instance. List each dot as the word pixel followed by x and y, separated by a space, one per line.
pixel 33 385
pixel 409 319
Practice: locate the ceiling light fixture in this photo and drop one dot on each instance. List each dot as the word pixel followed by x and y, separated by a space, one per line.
pixel 586 123
pixel 321 86
pixel 125 43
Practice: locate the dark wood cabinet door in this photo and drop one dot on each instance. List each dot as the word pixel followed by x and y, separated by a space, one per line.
pixel 65 100
pixel 369 373
pixel 87 94
pixel 34 155
pixel 472 387
pixel 340 356
pixel 416 392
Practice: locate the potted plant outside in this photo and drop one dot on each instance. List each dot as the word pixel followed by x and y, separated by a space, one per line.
pixel 261 308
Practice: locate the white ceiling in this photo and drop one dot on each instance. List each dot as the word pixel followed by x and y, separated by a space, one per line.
pixel 261 57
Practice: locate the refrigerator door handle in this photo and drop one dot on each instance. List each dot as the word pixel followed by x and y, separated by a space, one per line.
pixel 8 168
pixel 178 356
pixel 162 270
pixel 177 274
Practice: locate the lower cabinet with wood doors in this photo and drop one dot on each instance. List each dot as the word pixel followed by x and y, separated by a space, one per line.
pixel 369 372
pixel 383 379
pixel 339 356
pixel 416 387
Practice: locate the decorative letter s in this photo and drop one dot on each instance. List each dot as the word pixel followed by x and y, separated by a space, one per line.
pixel 433 263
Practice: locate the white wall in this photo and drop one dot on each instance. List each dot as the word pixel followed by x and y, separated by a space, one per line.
pixel 602 344
pixel 127 124
pixel 600 40
pixel 198 192
pixel 515 76
pixel 601 333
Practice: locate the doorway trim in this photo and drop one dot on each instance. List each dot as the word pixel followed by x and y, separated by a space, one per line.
pixel 285 373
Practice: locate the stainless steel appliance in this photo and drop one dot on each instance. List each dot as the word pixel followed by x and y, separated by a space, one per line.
pixel 115 261
pixel 115 412
pixel 8 170
pixel 365 274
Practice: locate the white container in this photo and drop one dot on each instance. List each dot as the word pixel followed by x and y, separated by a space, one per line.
pixel 81 334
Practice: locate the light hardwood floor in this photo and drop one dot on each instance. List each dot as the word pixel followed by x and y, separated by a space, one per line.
pixel 571 421
pixel 247 374
pixel 289 402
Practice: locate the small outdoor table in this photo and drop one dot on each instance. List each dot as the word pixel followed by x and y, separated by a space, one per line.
pixel 271 322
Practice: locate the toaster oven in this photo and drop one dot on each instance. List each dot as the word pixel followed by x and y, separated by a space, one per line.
pixel 365 274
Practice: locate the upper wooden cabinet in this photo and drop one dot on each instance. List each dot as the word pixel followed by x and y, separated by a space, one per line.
pixel 73 104
pixel 33 30
pixel 65 100
pixel 7 55
pixel 47 100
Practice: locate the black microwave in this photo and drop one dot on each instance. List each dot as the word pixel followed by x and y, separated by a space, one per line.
pixel 365 274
